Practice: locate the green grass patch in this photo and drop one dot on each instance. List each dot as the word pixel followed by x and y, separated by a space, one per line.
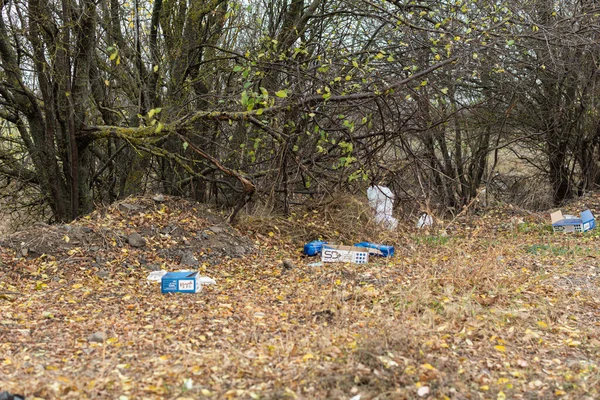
pixel 432 240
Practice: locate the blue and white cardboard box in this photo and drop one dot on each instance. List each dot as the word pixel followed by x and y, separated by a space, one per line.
pixel 571 223
pixel 182 281
pixel 349 254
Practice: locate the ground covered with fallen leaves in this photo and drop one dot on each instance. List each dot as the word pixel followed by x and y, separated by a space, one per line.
pixel 489 306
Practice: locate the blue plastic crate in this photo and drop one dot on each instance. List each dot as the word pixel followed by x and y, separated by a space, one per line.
pixel 313 248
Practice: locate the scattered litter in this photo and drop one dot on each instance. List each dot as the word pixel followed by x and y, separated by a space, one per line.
pixel 349 254
pixel 423 391
pixel 313 248
pixel 184 282
pixel 381 199
pixel 377 249
pixel 357 397
pixel 571 223
pixel 156 276
pixel 159 198
pixel 316 264
pixel 188 384
pixel 205 280
pixel 424 220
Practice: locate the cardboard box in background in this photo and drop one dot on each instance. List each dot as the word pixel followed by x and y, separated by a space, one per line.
pixel 349 254
pixel 571 223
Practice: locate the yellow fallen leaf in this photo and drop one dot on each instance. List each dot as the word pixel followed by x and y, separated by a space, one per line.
pixel 428 366
pixel 500 348
pixel 542 324
pixel 308 356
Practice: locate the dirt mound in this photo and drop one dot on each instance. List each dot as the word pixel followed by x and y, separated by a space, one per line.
pixel 159 232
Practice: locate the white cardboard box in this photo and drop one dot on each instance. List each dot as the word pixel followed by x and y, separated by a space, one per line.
pixel 349 254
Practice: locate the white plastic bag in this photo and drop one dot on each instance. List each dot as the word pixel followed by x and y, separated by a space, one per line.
pixel 381 199
pixel 424 220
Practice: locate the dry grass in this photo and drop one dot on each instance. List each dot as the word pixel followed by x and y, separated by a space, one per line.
pixel 493 310
pixel 344 220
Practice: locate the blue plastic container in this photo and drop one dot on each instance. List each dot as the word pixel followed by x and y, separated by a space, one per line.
pixel 384 250
pixel 313 248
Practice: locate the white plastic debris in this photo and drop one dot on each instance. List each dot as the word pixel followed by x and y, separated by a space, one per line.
pixel 357 397
pixel 315 264
pixel 156 276
pixel 381 199
pixel 424 220
pixel 423 391
pixel 205 280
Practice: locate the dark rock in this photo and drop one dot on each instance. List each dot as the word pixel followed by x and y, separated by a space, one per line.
pixel 11 396
pixel 205 235
pixel 239 250
pixel 102 274
pixel 288 264
pixel 153 267
pixel 217 229
pixel 97 337
pixel 168 229
pixel 129 207
pixel 136 240
pixel 77 231
pixel 94 248
pixel 188 259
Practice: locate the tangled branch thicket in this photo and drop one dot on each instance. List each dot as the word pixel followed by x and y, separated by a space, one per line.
pixel 289 101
